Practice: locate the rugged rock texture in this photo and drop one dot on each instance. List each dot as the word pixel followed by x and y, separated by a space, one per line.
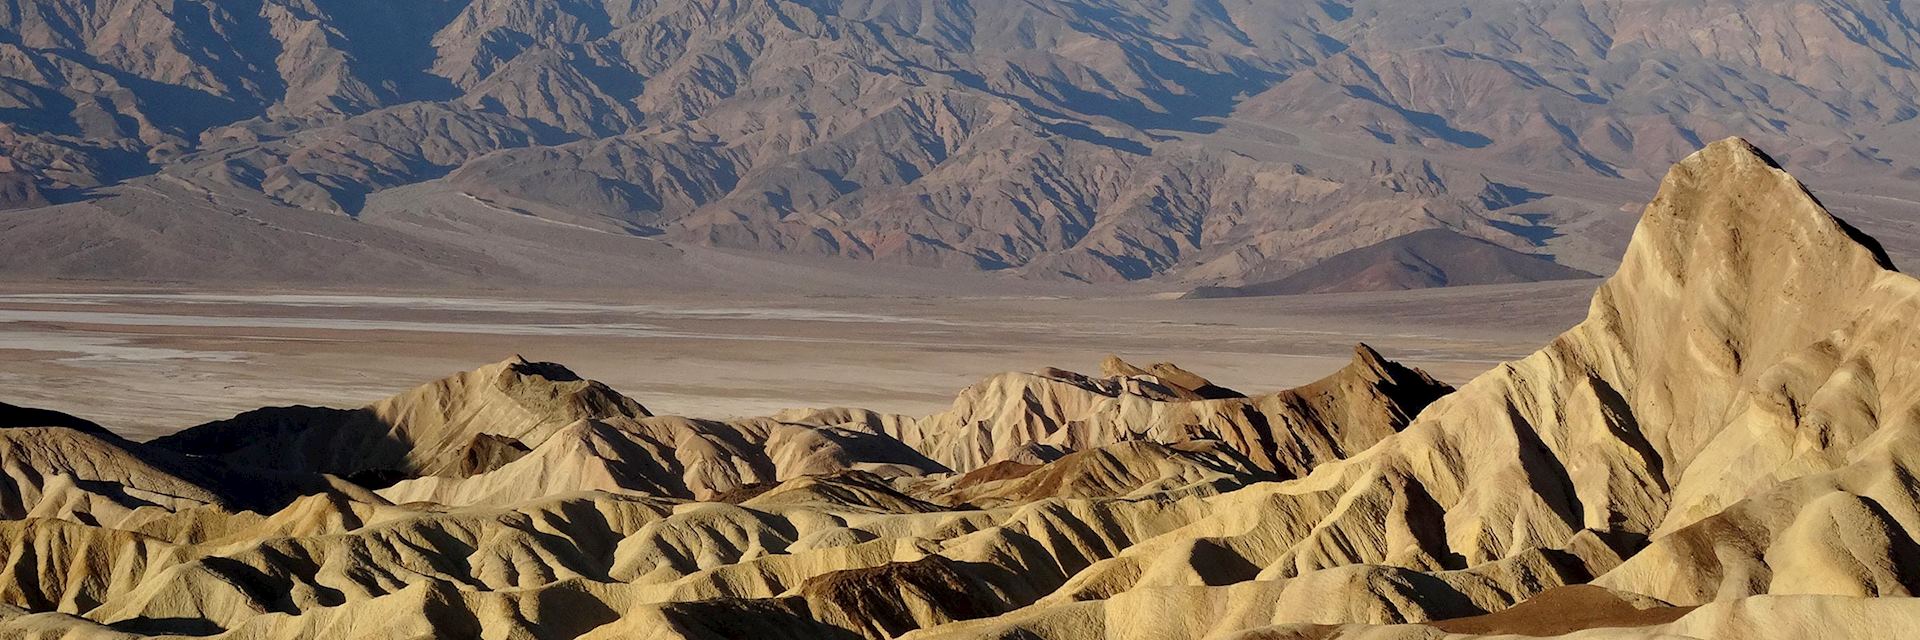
pixel 1720 450
pixel 1035 417
pixel 468 141
pixel 1754 451
pixel 59 466
pixel 50 470
pixel 1117 470
pixel 430 430
pixel 669 456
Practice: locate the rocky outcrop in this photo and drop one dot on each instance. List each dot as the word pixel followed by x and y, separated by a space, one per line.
pixel 426 431
pixel 1720 450
pixel 53 471
pixel 1737 456
pixel 670 457
pixel 1039 416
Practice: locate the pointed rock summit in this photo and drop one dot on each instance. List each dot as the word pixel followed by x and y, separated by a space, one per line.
pixel 1037 417
pixel 429 430
pixel 1735 417
pixel 1738 415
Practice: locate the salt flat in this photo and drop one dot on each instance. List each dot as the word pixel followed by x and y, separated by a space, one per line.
pixel 152 361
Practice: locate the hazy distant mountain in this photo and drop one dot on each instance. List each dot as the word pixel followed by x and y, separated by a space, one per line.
pixel 1215 142
pixel 1723 449
pixel 1418 260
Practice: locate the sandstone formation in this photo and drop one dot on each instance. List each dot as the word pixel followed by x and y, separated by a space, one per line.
pixel 1720 450
pixel 1037 416
pixel 669 456
pixel 432 430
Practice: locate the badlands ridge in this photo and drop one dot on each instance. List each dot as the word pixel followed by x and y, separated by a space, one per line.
pixel 1724 448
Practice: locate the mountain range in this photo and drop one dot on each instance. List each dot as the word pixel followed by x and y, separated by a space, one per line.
pixel 1722 449
pixel 728 143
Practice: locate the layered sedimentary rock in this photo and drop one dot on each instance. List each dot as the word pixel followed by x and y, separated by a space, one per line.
pixel 1722 449
pixel 669 456
pixel 1037 416
pixel 431 430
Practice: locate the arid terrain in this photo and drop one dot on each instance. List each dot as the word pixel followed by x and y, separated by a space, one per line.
pixel 1719 446
pixel 646 144
pixel 149 361
pixel 959 319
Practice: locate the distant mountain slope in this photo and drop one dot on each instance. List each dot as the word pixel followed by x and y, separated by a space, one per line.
pixel 1724 449
pixel 452 141
pixel 1418 260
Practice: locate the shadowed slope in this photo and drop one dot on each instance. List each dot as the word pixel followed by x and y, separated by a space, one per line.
pixel 670 457
pixel 1034 417
pixel 421 432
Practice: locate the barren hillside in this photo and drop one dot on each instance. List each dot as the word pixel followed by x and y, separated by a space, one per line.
pixel 642 143
pixel 1722 449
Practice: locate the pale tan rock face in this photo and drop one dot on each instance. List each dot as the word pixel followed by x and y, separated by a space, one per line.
pixel 669 456
pixel 42 465
pixel 423 431
pixel 1722 449
pixel 1013 416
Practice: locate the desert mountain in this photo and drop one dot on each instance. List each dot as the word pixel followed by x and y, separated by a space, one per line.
pixel 1418 260
pixel 14 417
pixel 1743 454
pixel 672 457
pixel 49 467
pixel 521 142
pixel 449 427
pixel 60 466
pixel 1720 450
pixel 1133 467
pixel 1035 417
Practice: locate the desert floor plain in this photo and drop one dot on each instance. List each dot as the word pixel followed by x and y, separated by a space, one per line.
pixel 148 361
